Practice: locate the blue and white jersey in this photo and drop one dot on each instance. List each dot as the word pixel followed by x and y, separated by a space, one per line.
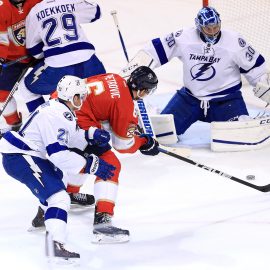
pixel 53 30
pixel 209 70
pixel 48 133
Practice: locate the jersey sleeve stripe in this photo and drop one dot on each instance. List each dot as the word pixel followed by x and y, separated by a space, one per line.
pixel 160 51
pixel 37 49
pixel 260 60
pixel 98 14
pixel 55 148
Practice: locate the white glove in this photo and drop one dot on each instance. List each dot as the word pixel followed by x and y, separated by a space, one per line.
pixel 262 89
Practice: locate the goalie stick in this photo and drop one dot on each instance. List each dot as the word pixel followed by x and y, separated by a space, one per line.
pixel 265 188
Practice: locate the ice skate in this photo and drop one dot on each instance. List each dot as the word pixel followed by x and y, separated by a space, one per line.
pixel 57 253
pixel 81 199
pixel 105 233
pixel 38 221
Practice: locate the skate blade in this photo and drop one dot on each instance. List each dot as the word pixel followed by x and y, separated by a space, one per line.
pixel 106 239
pixel 81 206
pixel 57 261
pixel 36 229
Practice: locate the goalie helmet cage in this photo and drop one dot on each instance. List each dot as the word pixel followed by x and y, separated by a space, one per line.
pixel 248 17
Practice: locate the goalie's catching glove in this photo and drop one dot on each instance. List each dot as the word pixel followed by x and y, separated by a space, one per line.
pixel 262 89
pixel 99 167
pixel 150 148
pixel 97 136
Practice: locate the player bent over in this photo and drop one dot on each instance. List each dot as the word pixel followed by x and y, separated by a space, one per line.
pixel 39 154
pixel 109 105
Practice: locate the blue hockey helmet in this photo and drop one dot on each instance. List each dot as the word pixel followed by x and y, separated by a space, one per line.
pixel 208 23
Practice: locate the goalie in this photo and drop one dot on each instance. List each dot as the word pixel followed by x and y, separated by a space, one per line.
pixel 213 61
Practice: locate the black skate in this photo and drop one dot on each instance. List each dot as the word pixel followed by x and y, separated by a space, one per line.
pixel 38 221
pixel 82 199
pixel 56 250
pixel 105 233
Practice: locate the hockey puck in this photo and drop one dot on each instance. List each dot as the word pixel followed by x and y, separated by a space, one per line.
pixel 250 177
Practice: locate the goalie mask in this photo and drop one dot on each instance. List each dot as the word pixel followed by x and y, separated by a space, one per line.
pixel 208 23
pixel 70 86
pixel 143 78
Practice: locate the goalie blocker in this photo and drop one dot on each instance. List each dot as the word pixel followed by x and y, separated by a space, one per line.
pixel 240 135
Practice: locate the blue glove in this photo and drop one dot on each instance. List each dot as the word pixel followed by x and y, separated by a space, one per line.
pixel 97 136
pixel 151 146
pixel 99 167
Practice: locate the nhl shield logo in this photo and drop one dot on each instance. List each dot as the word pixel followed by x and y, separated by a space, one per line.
pixel 18 32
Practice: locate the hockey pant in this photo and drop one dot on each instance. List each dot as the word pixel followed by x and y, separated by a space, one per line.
pixel 187 109
pixel 45 182
pixel 42 80
pixel 8 79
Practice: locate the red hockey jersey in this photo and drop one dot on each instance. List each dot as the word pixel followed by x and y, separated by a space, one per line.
pixel 110 103
pixel 12 28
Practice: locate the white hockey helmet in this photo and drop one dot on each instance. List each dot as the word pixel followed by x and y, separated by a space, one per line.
pixel 69 86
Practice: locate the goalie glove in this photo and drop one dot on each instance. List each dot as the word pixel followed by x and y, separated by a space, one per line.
pixel 262 89
pixel 100 168
pixel 97 136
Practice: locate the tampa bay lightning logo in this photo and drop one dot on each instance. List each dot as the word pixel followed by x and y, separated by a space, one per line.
pixel 202 72
pixel 68 116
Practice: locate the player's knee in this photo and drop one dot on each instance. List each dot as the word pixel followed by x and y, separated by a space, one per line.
pixel 60 200
pixel 111 158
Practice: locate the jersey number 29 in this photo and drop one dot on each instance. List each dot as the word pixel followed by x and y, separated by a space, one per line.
pixel 68 24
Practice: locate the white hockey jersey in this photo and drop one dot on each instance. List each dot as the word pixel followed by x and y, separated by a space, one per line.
pixel 209 70
pixel 48 133
pixel 53 30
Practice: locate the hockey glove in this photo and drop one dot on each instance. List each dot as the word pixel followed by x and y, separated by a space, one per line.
pixel 151 146
pixel 99 167
pixel 262 89
pixel 97 136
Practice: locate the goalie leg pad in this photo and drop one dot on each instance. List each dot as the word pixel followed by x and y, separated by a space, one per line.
pixel 164 128
pixel 240 135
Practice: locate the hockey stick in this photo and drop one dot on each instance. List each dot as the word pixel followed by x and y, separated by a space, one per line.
pixel 114 14
pixel 15 87
pixel 10 63
pixel 265 188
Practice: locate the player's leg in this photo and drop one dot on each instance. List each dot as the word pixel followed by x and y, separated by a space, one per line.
pixel 8 78
pixel 105 193
pixel 46 184
pixel 227 108
pixel 185 109
pixel 89 68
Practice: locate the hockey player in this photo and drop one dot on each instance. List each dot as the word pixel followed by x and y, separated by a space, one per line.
pixel 110 106
pixel 12 47
pixel 41 151
pixel 213 61
pixel 53 31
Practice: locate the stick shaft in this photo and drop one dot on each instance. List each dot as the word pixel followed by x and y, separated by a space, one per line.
pixel 265 188
pixel 120 35
pixel 10 63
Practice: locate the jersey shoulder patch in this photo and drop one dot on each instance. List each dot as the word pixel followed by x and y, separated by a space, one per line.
pixel 68 116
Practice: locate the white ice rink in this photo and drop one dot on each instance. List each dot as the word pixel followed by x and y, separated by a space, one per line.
pixel 180 217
